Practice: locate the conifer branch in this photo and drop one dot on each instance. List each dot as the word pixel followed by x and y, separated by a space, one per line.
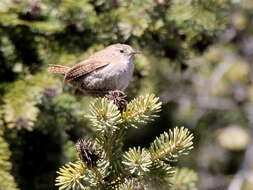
pixel 105 165
pixel 141 110
pixel 161 169
pixel 169 146
pixel 71 176
pixel 104 115
pixel 137 161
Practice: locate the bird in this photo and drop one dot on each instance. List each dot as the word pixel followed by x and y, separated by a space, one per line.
pixel 107 70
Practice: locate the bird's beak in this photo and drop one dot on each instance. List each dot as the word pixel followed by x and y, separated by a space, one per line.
pixel 135 52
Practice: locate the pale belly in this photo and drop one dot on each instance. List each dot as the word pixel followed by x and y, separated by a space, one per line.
pixel 108 78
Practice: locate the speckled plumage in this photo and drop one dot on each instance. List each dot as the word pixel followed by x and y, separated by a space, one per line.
pixel 107 70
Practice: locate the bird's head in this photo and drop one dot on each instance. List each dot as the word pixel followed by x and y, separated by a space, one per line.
pixel 123 50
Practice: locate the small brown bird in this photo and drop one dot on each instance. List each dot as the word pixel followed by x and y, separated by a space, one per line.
pixel 107 70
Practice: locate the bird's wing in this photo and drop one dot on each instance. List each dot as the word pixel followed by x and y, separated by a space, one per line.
pixel 84 68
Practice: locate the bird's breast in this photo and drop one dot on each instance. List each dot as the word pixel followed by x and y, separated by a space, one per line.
pixel 120 74
pixel 115 76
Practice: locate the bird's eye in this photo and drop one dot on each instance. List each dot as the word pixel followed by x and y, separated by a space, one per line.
pixel 121 51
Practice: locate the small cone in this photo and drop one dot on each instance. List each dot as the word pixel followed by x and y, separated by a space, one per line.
pixel 118 98
pixel 87 152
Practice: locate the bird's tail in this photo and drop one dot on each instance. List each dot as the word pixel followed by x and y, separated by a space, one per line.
pixel 58 69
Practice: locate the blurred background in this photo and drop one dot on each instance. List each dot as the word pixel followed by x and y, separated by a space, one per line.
pixel 197 57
